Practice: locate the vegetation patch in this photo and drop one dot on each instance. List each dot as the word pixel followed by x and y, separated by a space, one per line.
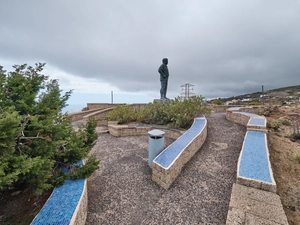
pixel 179 113
pixel 297 156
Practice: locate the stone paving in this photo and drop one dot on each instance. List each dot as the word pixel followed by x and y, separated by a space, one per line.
pixel 252 206
pixel 121 191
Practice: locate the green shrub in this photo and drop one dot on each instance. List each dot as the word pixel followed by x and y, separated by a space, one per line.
pixel 36 139
pixel 286 122
pixel 122 114
pixel 254 103
pixel 217 102
pixel 184 110
pixel 179 113
pixel 155 113
pixel 297 156
pixel 277 125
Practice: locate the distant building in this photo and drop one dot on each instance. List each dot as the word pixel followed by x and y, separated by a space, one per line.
pixel 234 101
pixel 247 100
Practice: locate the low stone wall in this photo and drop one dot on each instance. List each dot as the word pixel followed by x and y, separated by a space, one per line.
pixel 139 130
pixel 218 108
pixel 169 163
pixel 79 115
pixel 66 205
pixel 259 109
pixel 237 117
pixel 99 116
pixel 100 106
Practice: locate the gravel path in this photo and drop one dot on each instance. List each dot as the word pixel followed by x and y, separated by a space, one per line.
pixel 121 190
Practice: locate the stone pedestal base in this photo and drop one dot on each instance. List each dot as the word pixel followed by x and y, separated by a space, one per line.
pixel 166 100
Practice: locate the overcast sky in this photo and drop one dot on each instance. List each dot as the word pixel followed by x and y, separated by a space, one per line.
pixel 224 48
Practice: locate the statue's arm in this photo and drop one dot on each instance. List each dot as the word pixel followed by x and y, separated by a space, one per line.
pixel 161 70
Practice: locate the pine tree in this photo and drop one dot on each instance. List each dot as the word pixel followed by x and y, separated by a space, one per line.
pixel 36 139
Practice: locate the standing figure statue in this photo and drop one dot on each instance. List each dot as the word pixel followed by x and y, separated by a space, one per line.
pixel 164 76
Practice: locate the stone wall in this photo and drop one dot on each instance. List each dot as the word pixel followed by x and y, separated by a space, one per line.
pixel 136 130
pixel 222 108
pixel 101 106
pixel 79 115
pixel 237 117
pixel 99 116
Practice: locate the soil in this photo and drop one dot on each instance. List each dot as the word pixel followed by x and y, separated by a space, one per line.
pixel 20 206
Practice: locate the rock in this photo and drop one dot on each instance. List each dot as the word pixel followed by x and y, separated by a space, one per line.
pixel 15 193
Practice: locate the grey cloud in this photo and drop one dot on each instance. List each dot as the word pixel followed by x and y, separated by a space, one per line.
pixel 224 48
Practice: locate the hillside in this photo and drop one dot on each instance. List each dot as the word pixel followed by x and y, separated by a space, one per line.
pixel 284 95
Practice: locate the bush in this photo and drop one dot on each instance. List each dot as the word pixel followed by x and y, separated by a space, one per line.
pixel 297 156
pixel 122 114
pixel 286 123
pixel 217 102
pixel 277 125
pixel 184 110
pixel 254 103
pixel 179 113
pixel 155 113
pixel 36 139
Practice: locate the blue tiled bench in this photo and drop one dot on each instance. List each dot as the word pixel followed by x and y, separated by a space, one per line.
pixel 253 197
pixel 66 205
pixel 254 168
pixel 168 164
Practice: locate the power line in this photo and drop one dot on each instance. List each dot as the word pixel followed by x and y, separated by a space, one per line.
pixel 187 90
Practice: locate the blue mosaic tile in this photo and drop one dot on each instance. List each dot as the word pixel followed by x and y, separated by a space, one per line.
pixel 260 121
pixel 254 161
pixel 166 158
pixel 61 205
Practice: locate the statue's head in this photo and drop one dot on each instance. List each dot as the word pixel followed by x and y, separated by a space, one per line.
pixel 165 61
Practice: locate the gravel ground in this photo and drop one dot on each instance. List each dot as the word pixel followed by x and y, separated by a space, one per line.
pixel 121 190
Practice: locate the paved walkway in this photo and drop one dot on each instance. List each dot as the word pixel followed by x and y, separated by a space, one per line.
pixel 121 190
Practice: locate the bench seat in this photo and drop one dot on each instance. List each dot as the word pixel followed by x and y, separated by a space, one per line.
pixel 168 164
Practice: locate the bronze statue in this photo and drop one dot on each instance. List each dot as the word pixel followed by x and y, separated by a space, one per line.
pixel 164 76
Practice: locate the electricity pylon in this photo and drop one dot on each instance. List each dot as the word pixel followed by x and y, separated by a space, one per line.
pixel 187 90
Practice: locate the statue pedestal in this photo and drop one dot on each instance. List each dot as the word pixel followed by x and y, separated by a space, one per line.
pixel 165 100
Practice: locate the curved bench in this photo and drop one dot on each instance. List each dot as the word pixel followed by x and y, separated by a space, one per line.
pixel 254 168
pixel 168 164
pixel 253 197
pixel 66 205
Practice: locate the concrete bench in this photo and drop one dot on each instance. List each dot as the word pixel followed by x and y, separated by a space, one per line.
pixel 168 164
pixel 254 169
pixel 66 205
pixel 253 197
